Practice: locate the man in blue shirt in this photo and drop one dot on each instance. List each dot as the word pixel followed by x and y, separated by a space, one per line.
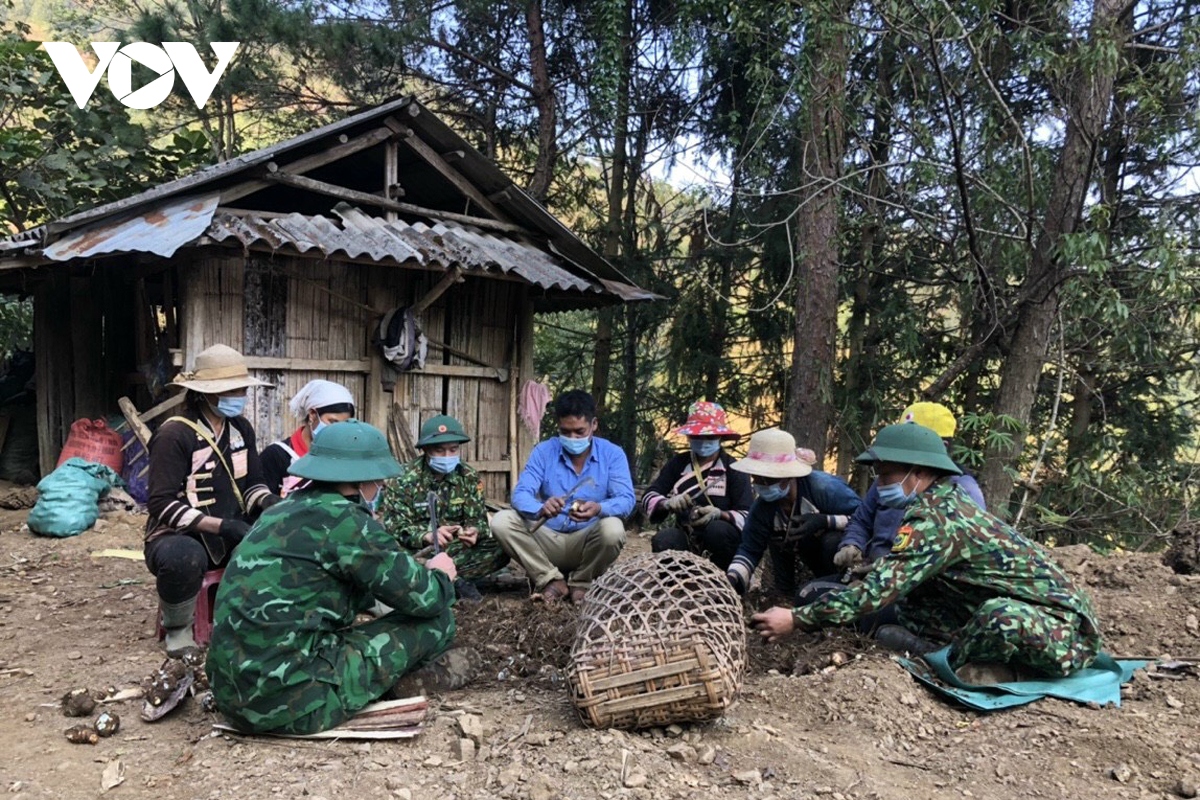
pixel 580 534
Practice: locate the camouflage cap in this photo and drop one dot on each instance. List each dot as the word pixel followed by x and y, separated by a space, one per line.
pixel 348 452
pixel 909 443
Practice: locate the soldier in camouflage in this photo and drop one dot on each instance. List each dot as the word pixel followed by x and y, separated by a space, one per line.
pixel 463 530
pixel 958 574
pixel 285 656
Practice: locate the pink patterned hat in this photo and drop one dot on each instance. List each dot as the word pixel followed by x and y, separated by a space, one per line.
pixel 773 454
pixel 707 419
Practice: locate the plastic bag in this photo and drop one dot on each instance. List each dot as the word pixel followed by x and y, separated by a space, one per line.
pixel 134 470
pixel 92 440
pixel 68 498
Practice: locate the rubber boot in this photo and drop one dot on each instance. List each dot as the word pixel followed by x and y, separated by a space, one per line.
pixel 452 670
pixel 177 620
pixel 902 640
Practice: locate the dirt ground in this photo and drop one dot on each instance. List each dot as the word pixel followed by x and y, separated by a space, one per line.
pixel 800 728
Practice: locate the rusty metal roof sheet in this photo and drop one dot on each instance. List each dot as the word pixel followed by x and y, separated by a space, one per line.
pixel 161 231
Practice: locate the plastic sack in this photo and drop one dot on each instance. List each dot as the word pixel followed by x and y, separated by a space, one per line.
pixel 92 440
pixel 134 469
pixel 68 498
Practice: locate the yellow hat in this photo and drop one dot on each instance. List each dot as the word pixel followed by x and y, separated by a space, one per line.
pixel 932 415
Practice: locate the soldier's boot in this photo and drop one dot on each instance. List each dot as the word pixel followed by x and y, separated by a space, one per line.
pixel 177 621
pixel 902 640
pixel 452 670
pixel 467 591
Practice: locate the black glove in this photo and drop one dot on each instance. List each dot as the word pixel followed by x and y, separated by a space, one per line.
pixel 810 525
pixel 268 501
pixel 234 529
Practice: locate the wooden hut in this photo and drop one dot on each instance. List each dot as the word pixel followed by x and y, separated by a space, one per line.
pixel 292 254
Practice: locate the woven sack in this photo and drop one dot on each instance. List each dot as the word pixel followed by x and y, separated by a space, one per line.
pixel 661 639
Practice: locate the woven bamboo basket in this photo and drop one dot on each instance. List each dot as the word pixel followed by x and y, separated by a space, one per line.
pixel 661 639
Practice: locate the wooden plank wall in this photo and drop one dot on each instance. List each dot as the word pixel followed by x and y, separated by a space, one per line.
pixel 331 312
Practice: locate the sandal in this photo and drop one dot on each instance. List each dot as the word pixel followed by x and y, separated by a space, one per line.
pixel 553 591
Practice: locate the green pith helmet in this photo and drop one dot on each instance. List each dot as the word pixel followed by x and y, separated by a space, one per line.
pixel 909 443
pixel 441 429
pixel 348 452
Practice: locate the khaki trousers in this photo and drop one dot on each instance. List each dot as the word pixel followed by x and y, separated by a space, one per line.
pixel 578 557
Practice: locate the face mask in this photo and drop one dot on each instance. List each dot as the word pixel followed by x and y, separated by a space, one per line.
pixel 892 495
pixel 229 406
pixel 772 492
pixel 373 503
pixel 443 464
pixel 705 448
pixel 320 426
pixel 574 446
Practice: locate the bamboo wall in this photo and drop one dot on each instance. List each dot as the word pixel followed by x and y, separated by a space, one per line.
pixel 297 319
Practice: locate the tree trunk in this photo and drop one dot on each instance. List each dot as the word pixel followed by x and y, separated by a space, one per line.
pixel 1087 107
pixel 543 99
pixel 809 406
pixel 616 194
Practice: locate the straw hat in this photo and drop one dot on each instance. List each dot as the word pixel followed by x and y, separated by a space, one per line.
pixel 707 419
pixel 934 416
pixel 348 452
pixel 218 369
pixel 773 455
pixel 909 443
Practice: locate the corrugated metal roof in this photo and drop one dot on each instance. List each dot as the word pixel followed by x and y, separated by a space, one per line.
pixel 161 231
pixel 362 236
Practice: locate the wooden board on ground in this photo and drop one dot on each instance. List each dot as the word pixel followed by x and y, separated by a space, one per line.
pixel 390 719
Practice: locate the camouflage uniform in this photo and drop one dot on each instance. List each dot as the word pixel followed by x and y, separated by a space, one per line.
pixel 404 511
pixel 966 576
pixel 284 657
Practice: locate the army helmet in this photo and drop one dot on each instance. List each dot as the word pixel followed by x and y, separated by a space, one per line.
pixel 442 429
pixel 349 452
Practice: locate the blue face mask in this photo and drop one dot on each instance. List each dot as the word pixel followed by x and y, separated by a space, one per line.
pixel 892 495
pixel 705 448
pixel 575 446
pixel 443 464
pixel 373 503
pixel 320 426
pixel 229 407
pixel 772 492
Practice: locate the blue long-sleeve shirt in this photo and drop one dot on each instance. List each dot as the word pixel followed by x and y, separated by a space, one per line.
pixel 873 527
pixel 549 472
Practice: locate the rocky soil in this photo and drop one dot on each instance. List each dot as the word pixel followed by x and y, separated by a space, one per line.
pixel 802 727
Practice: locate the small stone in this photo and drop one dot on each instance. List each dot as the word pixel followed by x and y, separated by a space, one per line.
pixel 471 727
pixel 1185 788
pixel 402 794
pixel 432 761
pixel 707 756
pixel 750 777
pixel 31 716
pixel 74 655
pixel 539 739
pixel 908 699
pixel 1192 623
pixel 1121 773
pixel 674 731
pixel 464 750
pixel 635 779
pixel 682 752
pixel 1174 702
pixel 393 784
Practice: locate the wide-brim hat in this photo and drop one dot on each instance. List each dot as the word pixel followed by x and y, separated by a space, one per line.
pixel 707 419
pixel 348 452
pixel 912 444
pixel 773 455
pixel 442 429
pixel 217 369
pixel 934 416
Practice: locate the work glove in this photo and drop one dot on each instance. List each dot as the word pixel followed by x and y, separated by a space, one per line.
pixel 234 529
pixel 268 501
pixel 677 504
pixel 847 557
pixel 703 515
pixel 810 525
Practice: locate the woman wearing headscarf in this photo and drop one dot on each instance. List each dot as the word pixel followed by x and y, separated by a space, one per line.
pixel 706 500
pixel 206 485
pixel 317 405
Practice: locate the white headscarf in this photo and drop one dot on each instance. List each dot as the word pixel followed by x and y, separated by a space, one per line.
pixel 318 394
